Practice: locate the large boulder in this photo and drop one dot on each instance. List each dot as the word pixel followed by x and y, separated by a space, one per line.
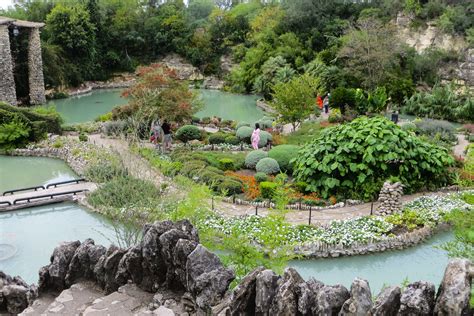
pixel 455 289
pixel 52 276
pixel 387 302
pixel 417 299
pixel 207 279
pixel 83 262
pixel 360 302
pixel 330 299
pixel 15 294
pixel 168 241
pixel 265 289
pixel 130 266
pixel 307 293
pixel 243 297
pixel 285 301
pixel 182 250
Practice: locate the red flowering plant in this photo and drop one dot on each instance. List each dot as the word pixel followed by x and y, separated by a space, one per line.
pixel 158 93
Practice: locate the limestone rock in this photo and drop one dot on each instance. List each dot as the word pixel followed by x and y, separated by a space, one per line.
pixel 265 288
pixel 417 299
pixel 243 297
pixel 53 276
pixel 285 301
pixel 180 256
pixel 307 296
pixel 207 279
pixel 387 302
pixel 130 266
pixel 163 311
pixel 455 289
pixel 15 297
pixel 83 262
pixel 330 299
pixel 360 302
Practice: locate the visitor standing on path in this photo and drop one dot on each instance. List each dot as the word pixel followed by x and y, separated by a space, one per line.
pixel 326 103
pixel 255 138
pixel 157 133
pixel 319 102
pixel 166 127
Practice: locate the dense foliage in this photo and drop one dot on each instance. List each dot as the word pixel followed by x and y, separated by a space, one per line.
pixel 354 159
pixel 18 126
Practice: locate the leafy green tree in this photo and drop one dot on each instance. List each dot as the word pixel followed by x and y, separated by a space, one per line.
pixel 369 51
pixel 295 100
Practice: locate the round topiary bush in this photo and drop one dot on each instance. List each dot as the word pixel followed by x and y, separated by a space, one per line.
pixel 265 137
pixel 354 160
pixel 268 166
pixel 265 123
pixel 217 138
pixel 187 133
pixel 261 177
pixel 240 124
pixel 226 164
pixel 254 157
pixel 233 140
pixel 230 186
pixel 283 154
pixel 244 133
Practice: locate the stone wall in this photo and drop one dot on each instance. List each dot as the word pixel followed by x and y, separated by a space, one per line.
pixel 35 68
pixel 7 82
pixel 170 257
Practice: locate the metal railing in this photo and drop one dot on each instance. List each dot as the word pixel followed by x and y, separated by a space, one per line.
pixel 51 196
pixel 65 182
pixel 7 203
pixel 10 192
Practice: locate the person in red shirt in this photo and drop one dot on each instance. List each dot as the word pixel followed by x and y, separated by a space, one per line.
pixel 319 101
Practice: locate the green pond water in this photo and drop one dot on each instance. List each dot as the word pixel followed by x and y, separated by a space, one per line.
pixel 87 107
pixel 28 237
pixel 22 172
pixel 423 262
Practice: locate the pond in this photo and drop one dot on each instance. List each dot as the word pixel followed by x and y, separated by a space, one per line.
pixel 22 172
pixel 29 236
pixel 423 262
pixel 87 107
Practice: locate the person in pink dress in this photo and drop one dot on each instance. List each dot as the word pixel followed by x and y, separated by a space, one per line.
pixel 255 136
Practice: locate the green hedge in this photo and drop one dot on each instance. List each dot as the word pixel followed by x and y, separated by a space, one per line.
pixel 187 133
pixel 267 189
pixel 244 133
pixel 254 157
pixel 217 138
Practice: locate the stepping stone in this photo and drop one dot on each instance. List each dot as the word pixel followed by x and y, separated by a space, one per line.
pixel 74 300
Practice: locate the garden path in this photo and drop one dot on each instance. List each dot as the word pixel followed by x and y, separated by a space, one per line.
pixel 141 169
pixel 460 149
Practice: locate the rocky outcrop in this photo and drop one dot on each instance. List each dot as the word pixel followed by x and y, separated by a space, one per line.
pixel 417 299
pixel 188 279
pixel 169 256
pixel 390 198
pixel 15 294
pixel 455 289
pixel 183 69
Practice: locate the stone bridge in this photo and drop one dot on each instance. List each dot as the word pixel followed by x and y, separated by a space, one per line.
pixel 35 62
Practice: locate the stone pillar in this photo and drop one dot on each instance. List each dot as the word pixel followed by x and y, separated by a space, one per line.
pixel 35 68
pixel 7 81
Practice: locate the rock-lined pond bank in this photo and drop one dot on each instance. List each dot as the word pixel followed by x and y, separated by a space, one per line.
pixel 170 258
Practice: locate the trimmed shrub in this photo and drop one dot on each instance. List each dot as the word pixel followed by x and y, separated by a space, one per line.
pixel 244 133
pixel 195 120
pixel 230 186
pixel 211 175
pixel 267 189
pixel 254 157
pixel 335 116
pixel 265 137
pixel 260 177
pixel 206 120
pixel 443 130
pixel 264 124
pixel 226 164
pixel 283 155
pixel 240 124
pixel 268 166
pixel 231 139
pixel 114 128
pixel 217 138
pixel 408 127
pixel 187 133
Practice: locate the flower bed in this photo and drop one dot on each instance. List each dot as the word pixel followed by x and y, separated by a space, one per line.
pixel 345 237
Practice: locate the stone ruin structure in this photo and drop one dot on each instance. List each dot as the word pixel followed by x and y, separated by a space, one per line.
pixel 170 273
pixel 390 198
pixel 35 62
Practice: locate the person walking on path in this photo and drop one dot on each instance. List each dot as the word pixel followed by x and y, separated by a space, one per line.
pixel 319 101
pixel 326 103
pixel 255 138
pixel 156 133
pixel 166 127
